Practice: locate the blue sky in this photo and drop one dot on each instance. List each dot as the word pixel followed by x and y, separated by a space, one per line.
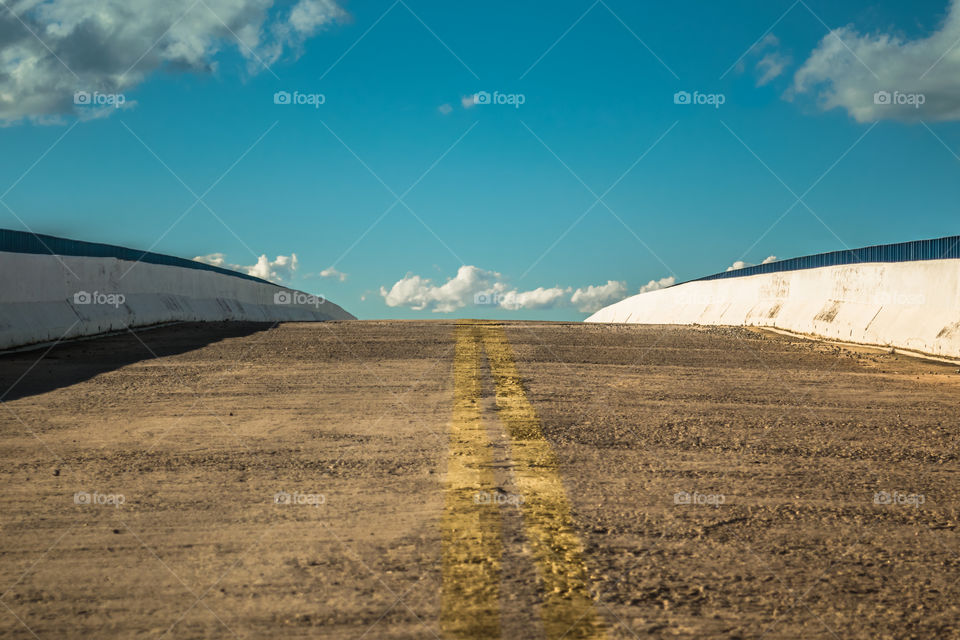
pixel 506 194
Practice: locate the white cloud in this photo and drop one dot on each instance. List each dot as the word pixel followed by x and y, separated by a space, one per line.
pixel 770 66
pixel 840 71
pixel 772 61
pixel 740 264
pixel 330 272
pixel 111 46
pixel 539 298
pixel 445 109
pixel 309 15
pixel 473 285
pixel 216 259
pixel 662 283
pixel 280 270
pixel 595 297
pixel 420 293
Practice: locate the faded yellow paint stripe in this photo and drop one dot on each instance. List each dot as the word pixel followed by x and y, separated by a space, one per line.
pixel 568 610
pixel 471 528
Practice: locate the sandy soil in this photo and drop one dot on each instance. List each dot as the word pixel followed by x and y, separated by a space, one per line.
pixel 781 443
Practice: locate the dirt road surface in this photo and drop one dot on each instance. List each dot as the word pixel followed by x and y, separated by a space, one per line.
pixel 475 480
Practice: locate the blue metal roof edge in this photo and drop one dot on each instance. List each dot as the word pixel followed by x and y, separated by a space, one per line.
pixel 14 241
pixel 935 249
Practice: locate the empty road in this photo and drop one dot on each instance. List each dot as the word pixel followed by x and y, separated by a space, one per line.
pixel 476 479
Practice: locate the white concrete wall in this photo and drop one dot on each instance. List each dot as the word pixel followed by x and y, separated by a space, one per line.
pixel 911 305
pixel 37 302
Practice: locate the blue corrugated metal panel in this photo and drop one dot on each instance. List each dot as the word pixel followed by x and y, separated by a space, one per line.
pixel 26 242
pixel 936 249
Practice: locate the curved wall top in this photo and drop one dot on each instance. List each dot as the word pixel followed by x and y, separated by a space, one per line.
pixel 55 288
pixel 903 295
pixel 936 249
pixel 38 243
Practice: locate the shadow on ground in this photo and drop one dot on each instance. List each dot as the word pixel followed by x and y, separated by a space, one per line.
pixel 28 373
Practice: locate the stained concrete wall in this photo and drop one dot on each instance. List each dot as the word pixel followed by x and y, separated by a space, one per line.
pixel 45 297
pixel 911 305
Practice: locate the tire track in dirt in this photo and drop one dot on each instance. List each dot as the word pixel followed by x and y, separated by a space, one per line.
pixel 568 608
pixel 472 529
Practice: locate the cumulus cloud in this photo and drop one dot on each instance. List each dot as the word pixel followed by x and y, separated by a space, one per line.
pixel 108 47
pixel 280 270
pixel 420 293
pixel 309 15
pixel 594 298
pixel 539 298
pixel 740 264
pixel 662 283
pixel 216 259
pixel 330 272
pixel 473 285
pixel 884 77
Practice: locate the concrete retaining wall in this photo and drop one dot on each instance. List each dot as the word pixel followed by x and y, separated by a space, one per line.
pixel 911 305
pixel 41 300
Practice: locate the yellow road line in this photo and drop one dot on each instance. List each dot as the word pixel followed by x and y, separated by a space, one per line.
pixel 568 609
pixel 471 527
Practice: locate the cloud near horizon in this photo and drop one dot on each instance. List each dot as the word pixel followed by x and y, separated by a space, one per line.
pixel 594 298
pixel 740 264
pixel 840 72
pixel 52 49
pixel 475 286
pixel 662 283
pixel 280 270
